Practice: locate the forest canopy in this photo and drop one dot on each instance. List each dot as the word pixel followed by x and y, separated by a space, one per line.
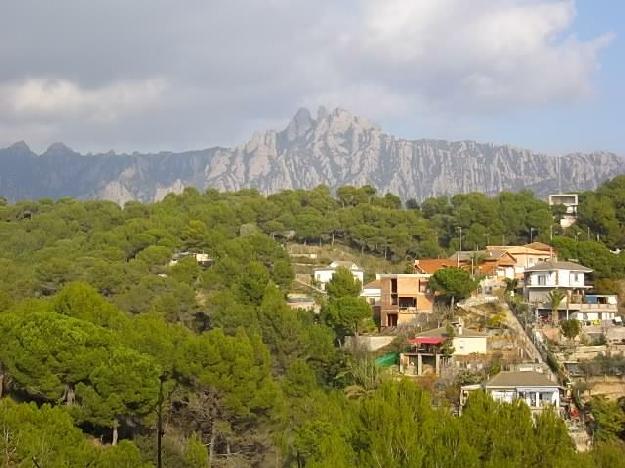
pixel 107 321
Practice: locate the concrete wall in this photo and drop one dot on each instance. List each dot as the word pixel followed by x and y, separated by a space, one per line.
pixel 370 343
pixel 469 345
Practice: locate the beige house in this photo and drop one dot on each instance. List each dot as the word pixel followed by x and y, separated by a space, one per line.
pixel 524 256
pixel 402 298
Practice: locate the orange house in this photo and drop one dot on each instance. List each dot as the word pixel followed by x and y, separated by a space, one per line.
pixel 402 298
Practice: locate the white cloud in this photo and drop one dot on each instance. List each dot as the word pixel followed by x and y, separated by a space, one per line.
pixel 223 67
pixel 44 99
pixel 476 55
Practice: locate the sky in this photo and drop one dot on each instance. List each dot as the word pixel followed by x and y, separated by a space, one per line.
pixel 152 75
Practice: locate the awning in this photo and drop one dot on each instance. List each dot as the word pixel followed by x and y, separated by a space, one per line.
pixel 433 340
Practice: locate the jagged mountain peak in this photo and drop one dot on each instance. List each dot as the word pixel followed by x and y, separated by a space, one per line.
pixel 333 148
pixel 20 147
pixel 338 120
pixel 57 148
pixel 299 125
pixel 341 119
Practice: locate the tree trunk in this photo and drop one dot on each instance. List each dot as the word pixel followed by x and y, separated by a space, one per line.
pixel 1 383
pixel 115 434
pixel 211 445
pixel 70 395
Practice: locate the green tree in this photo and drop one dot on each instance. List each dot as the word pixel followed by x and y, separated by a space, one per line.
pixel 609 419
pixel 47 436
pixel 121 389
pixel 343 284
pixel 452 283
pixel 570 328
pixel 233 390
pixel 81 301
pixel 47 354
pixel 345 314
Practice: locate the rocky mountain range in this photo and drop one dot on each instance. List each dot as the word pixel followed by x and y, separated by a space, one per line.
pixel 333 148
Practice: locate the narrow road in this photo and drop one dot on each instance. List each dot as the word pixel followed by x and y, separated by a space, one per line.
pixel 529 347
pixel 513 323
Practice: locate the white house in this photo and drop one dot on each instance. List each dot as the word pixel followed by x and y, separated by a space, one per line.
pixel 426 349
pixel 533 387
pixel 544 277
pixel 570 202
pixel 465 341
pixel 323 275
pixel 372 292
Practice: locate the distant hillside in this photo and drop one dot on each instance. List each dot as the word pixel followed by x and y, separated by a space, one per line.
pixel 335 148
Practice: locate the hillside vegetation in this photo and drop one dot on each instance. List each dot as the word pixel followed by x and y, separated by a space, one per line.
pixel 101 334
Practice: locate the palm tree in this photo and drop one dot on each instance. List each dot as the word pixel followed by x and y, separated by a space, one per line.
pixel 555 298
pixel 511 285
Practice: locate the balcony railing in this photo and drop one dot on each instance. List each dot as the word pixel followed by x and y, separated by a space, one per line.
pixel 574 306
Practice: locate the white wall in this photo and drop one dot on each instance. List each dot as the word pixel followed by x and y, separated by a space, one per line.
pixel 324 276
pixel 547 396
pixel 559 279
pixel 372 295
pixel 582 316
pixel 464 345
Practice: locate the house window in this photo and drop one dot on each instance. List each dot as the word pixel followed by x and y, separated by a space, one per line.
pixel 542 280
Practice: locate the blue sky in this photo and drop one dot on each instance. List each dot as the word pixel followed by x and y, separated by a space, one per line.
pixel 154 75
pixel 590 123
pixel 595 123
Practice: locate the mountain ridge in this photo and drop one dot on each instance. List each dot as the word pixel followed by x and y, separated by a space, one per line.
pixel 334 148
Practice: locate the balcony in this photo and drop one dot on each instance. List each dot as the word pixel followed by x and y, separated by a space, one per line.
pixel 589 303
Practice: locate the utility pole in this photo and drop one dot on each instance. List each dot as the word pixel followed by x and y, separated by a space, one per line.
pixel 532 234
pixel 551 232
pixel 460 247
pixel 159 428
